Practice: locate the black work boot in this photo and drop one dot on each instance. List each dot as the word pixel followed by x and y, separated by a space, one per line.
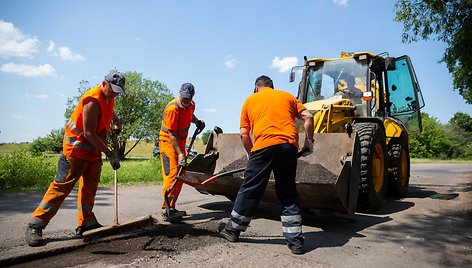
pixel 34 236
pixel 172 217
pixel 296 249
pixel 226 234
pixel 82 229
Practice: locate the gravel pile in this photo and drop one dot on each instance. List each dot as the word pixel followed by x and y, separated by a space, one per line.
pixel 306 172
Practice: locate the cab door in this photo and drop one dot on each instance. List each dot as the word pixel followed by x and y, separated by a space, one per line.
pixel 404 94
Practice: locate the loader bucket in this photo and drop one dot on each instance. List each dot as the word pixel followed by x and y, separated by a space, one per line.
pixel 327 179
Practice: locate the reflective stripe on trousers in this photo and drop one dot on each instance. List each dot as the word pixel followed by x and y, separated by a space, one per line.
pixel 238 222
pixel 70 170
pixel 292 225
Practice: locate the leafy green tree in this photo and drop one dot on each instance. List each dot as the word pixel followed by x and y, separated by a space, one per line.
pixel 459 131
pixel 50 143
pixel 141 110
pixel 460 140
pixel 432 142
pixel 448 21
pixel 463 121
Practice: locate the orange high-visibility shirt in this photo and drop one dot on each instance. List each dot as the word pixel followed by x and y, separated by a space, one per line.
pixel 270 115
pixel 74 143
pixel 177 118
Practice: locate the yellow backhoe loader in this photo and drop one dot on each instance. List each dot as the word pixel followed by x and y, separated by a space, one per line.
pixel 361 151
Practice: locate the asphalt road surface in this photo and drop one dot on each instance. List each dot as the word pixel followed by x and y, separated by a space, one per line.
pixel 431 227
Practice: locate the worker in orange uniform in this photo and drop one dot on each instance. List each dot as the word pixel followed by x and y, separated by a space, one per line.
pixel 84 140
pixel 178 114
pixel 270 115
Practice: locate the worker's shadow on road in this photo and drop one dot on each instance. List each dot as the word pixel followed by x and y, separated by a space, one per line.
pixel 338 229
pixel 397 204
pixel 335 229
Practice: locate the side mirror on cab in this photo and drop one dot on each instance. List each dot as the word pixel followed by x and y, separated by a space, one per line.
pixel 292 76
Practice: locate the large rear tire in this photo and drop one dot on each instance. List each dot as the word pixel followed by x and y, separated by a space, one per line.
pixel 399 167
pixel 373 169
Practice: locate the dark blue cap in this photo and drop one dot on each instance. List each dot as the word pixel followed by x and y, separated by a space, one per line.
pixel 187 91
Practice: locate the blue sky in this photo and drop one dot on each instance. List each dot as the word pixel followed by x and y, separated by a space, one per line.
pixel 48 47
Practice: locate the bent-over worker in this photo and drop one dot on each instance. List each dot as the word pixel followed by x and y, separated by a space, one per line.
pixel 270 115
pixel 83 143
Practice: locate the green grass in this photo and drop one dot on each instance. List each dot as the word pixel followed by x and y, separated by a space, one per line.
pixel 20 171
pixel 8 148
pixel 133 172
pixel 429 160
pixel 144 149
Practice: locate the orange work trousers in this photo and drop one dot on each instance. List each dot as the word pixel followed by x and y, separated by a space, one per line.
pixel 69 171
pixel 170 169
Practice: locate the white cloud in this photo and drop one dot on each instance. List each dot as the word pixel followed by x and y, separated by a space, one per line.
pixel 51 46
pixel 28 70
pixel 284 64
pixel 64 52
pixel 341 2
pixel 210 110
pixel 39 96
pixel 230 61
pixel 13 43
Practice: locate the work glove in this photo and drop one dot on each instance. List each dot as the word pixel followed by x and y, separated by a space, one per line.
pixel 114 159
pixel 307 147
pixel 182 160
pixel 200 124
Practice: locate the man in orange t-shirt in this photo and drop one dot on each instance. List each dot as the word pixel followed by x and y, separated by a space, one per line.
pixel 270 115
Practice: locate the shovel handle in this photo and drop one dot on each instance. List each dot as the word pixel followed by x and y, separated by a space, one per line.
pixel 116 197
